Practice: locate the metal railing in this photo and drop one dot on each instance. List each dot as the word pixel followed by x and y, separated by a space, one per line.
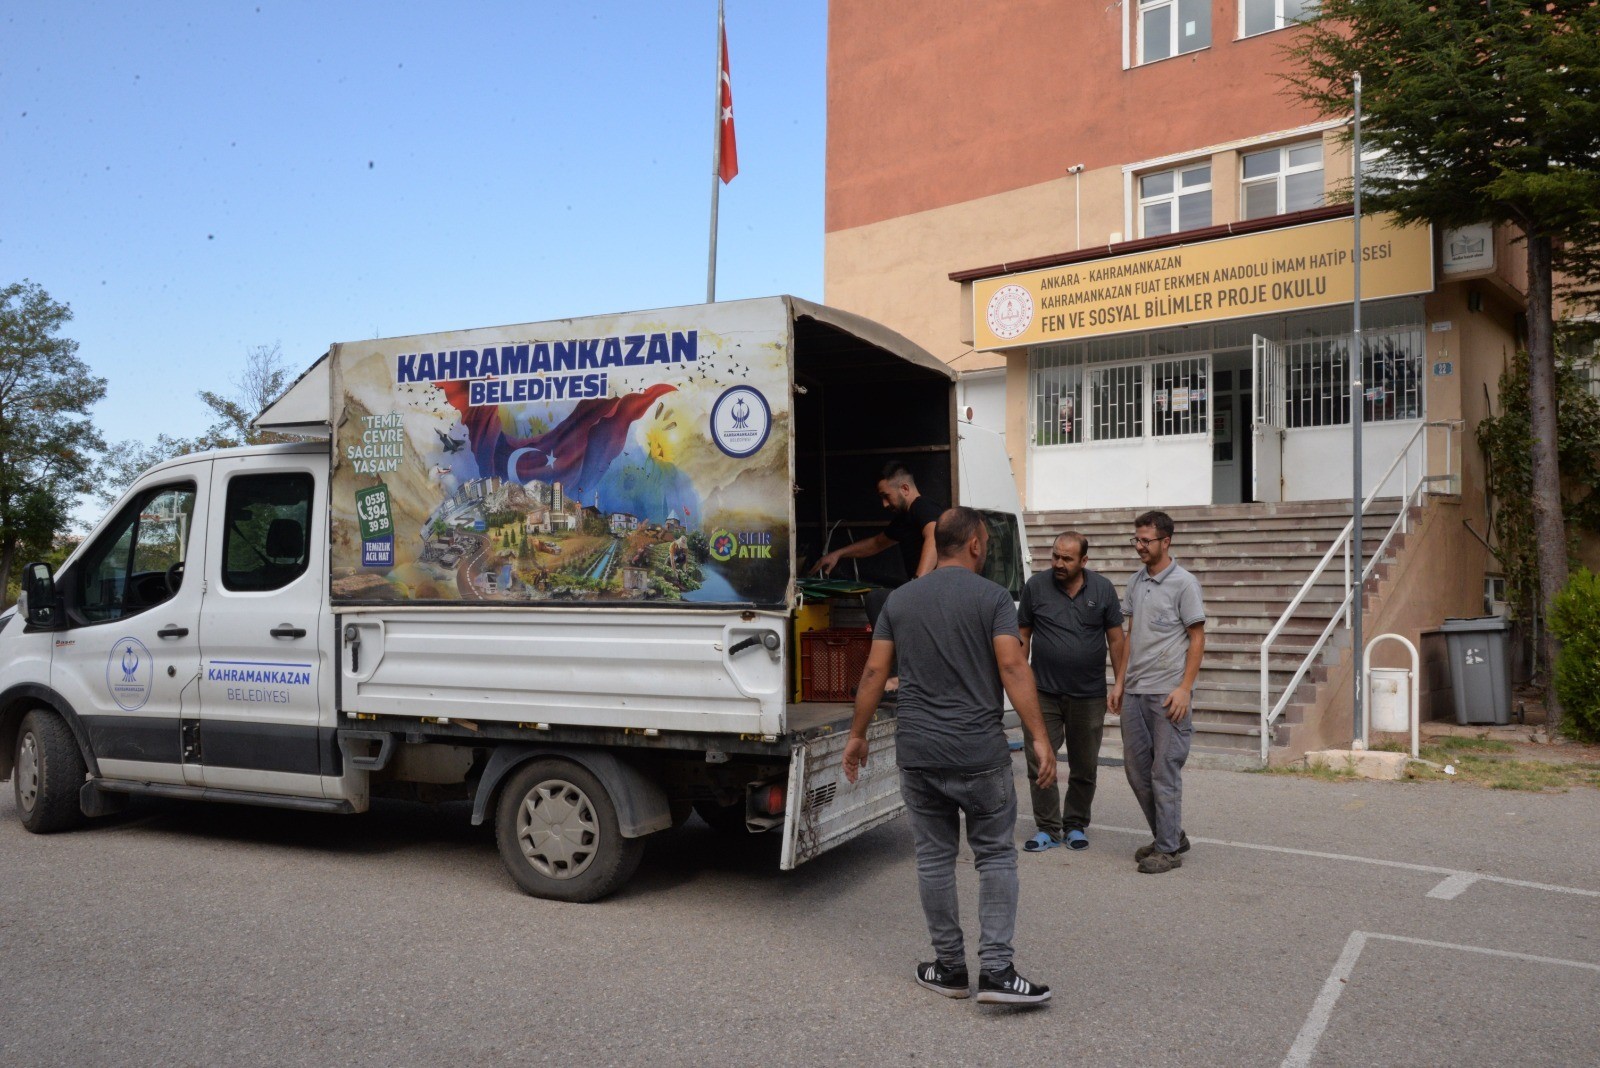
pixel 1410 496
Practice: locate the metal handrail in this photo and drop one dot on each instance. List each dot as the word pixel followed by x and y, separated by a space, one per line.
pixel 1410 496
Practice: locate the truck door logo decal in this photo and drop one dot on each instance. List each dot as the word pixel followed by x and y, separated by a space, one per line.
pixel 129 672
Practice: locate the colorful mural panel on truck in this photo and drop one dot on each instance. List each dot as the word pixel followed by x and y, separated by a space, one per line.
pixel 639 458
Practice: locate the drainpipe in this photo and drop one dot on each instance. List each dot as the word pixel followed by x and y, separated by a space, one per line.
pixel 1076 170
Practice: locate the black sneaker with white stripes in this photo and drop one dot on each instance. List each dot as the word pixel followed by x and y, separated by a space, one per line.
pixel 951 982
pixel 1009 988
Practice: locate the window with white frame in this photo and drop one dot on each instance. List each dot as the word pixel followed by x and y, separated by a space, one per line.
pixel 1281 180
pixel 1175 200
pixel 1264 16
pixel 1172 27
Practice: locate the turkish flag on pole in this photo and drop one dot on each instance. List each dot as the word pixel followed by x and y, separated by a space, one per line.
pixel 728 152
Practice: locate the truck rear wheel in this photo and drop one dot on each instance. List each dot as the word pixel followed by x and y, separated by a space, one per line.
pixel 49 774
pixel 557 830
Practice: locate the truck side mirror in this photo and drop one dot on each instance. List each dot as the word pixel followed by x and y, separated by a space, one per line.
pixel 39 586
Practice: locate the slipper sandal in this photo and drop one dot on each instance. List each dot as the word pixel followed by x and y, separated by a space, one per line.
pixel 1076 839
pixel 1040 842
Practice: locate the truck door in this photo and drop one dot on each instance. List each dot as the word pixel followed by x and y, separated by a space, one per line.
pixel 128 659
pixel 264 674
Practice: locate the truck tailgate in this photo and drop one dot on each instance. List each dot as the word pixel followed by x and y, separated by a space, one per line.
pixel 824 808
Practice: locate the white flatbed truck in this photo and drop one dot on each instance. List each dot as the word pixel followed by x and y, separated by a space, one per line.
pixel 553 569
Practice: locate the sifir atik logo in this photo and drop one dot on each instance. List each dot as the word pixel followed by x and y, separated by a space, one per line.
pixel 745 545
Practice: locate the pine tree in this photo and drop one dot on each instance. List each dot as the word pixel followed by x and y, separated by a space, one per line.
pixel 1483 111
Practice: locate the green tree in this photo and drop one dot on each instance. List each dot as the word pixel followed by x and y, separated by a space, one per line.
pixel 47 443
pixel 1484 112
pixel 262 381
pixel 1504 439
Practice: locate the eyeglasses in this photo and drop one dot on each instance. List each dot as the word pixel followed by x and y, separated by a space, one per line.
pixel 1149 541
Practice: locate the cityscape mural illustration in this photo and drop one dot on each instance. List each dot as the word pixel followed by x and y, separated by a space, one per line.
pixel 639 458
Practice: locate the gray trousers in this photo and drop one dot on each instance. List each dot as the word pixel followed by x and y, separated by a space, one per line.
pixel 1153 753
pixel 1079 722
pixel 935 802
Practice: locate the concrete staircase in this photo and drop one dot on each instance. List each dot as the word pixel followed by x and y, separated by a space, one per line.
pixel 1251 559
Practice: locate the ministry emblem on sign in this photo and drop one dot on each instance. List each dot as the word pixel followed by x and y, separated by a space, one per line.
pixel 1010 311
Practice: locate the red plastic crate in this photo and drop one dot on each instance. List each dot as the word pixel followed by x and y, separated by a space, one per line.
pixel 831 662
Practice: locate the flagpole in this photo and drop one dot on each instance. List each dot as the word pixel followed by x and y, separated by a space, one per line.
pixel 716 166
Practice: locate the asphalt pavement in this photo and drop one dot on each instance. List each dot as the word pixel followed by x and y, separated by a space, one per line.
pixel 1314 922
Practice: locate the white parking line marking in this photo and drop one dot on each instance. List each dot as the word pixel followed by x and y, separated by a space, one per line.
pixel 1305 1044
pixel 1452 873
pixel 1451 888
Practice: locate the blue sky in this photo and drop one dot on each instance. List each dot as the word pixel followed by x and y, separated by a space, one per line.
pixel 195 179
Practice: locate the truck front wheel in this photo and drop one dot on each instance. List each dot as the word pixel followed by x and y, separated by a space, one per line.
pixel 557 830
pixel 49 774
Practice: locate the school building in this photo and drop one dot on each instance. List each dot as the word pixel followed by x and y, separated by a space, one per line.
pixel 1117 225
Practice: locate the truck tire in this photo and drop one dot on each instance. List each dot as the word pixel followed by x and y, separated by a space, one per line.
pixel 49 774
pixel 557 830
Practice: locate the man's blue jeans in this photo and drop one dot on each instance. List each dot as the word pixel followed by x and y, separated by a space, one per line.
pixel 935 802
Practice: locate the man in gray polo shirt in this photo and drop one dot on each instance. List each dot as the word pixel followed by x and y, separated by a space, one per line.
pixel 1067 617
pixel 1166 639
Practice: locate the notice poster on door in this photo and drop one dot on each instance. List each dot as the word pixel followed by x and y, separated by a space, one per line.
pixel 635 458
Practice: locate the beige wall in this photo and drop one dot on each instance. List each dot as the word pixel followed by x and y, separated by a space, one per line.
pixel 898 271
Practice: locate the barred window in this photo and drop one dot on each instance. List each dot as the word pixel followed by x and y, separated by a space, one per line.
pixel 1317 377
pixel 1116 399
pixel 1586 355
pixel 1058 397
pixel 1179 396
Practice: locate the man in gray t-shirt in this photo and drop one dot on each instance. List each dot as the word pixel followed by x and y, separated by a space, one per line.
pixel 1166 639
pixel 954 634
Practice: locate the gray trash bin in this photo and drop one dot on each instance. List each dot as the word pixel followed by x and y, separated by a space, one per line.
pixel 1480 672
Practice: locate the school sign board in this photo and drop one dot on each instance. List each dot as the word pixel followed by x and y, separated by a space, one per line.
pixel 1292 269
pixel 636 458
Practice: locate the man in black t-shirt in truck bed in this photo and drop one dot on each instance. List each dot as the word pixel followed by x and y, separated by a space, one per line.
pixel 910 528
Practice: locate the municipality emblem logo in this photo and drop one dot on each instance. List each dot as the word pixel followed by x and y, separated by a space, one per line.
pixel 741 419
pixel 130 674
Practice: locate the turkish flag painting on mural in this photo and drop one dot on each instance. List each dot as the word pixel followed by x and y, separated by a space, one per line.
pixel 728 154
